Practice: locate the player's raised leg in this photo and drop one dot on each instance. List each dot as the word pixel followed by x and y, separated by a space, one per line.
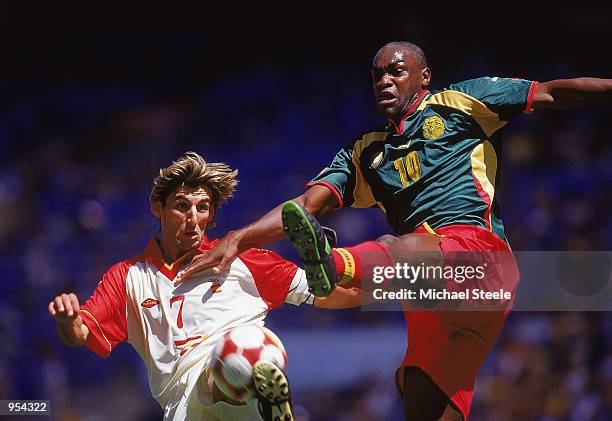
pixel 326 266
pixel 423 399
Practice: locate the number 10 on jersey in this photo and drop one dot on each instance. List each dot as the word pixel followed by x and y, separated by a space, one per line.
pixel 409 168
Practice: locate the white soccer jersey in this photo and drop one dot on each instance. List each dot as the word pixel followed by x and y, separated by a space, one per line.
pixel 174 328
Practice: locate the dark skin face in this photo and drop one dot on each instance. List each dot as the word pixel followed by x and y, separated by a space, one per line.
pixel 397 80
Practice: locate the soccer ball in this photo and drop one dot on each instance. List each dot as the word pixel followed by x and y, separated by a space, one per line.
pixel 235 354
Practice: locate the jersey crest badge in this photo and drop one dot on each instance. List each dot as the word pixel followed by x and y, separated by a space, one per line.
pixel 149 302
pixel 433 127
pixel 215 288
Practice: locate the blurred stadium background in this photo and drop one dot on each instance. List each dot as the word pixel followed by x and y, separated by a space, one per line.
pixel 93 102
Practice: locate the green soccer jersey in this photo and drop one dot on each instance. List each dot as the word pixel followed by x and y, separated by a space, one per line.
pixel 439 167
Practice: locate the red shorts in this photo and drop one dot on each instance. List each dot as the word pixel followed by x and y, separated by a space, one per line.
pixel 451 346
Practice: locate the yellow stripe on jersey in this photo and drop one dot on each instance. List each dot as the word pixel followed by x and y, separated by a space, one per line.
pixel 110 348
pixel 486 119
pixel 364 198
pixel 484 167
pixel 430 230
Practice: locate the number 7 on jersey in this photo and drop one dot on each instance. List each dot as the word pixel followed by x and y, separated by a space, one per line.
pixel 179 319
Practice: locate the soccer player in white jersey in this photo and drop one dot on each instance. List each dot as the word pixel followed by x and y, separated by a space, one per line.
pixel 175 327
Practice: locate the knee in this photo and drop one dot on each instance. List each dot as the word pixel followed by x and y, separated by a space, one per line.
pixel 417 249
pixel 419 242
pixel 387 239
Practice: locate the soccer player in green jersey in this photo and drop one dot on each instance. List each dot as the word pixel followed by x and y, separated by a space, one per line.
pixel 432 169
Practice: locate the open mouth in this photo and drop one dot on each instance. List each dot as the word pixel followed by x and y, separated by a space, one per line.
pixel 385 98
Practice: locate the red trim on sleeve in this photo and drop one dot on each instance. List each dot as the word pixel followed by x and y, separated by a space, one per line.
pixel 532 88
pixel 102 348
pixel 272 274
pixel 329 186
pixel 105 312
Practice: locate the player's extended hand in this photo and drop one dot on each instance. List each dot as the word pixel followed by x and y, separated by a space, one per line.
pixel 65 308
pixel 217 258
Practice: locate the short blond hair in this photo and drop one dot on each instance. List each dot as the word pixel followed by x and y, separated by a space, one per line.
pixel 192 170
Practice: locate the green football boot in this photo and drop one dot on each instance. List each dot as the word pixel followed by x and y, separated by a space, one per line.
pixel 313 246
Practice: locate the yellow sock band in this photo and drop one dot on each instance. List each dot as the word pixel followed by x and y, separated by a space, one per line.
pixel 349 266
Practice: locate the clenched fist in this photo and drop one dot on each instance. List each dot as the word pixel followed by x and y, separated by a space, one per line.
pixel 65 308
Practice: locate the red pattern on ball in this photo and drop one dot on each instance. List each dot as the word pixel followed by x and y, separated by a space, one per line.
pixel 252 355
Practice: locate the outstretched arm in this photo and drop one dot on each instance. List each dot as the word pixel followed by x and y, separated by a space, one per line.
pixel 65 309
pixel 565 94
pixel 318 200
